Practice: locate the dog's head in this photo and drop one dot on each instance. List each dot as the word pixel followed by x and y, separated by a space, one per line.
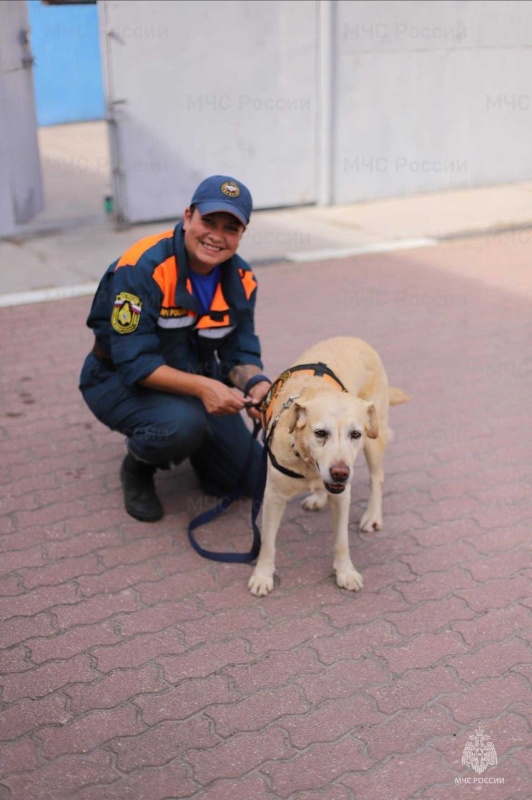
pixel 328 429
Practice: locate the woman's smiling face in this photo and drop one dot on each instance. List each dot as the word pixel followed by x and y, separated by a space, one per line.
pixel 210 239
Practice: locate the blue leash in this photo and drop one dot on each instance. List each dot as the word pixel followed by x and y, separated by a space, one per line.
pixel 225 502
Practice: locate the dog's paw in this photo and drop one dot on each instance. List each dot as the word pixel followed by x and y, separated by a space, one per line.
pixel 315 501
pixel 370 522
pixel 260 584
pixel 349 579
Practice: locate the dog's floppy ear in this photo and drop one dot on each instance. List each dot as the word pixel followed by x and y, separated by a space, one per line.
pixel 372 426
pixel 298 417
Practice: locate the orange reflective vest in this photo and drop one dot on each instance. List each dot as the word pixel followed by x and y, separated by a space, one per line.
pixel 144 313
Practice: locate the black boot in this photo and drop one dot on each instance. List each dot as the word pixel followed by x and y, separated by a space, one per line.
pixel 140 498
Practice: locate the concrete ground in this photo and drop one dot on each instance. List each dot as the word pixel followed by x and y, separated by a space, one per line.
pixel 134 669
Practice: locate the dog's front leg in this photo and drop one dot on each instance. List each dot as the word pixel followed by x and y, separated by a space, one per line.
pixel 372 518
pixel 261 581
pixel 347 576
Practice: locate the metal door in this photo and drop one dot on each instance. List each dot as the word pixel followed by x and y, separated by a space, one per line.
pixel 21 196
pixel 198 88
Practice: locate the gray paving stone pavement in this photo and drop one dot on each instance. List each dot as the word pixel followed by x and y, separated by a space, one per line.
pixel 133 669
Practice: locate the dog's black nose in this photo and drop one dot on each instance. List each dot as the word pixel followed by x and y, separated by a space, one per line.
pixel 340 472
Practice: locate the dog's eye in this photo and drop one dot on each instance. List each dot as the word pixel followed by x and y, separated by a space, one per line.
pixel 320 434
pixel 355 435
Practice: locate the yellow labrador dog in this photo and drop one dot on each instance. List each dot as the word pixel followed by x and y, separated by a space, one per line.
pixel 332 403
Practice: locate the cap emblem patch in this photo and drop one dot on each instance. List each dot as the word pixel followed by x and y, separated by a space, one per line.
pixel 230 189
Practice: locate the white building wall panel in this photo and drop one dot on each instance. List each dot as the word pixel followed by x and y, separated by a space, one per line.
pixel 430 96
pixel 198 88
pixel 315 100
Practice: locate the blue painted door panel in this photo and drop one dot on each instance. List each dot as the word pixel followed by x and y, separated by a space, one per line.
pixel 67 71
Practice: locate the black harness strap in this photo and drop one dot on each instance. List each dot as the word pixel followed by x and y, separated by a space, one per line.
pixel 269 437
pixel 320 370
pixel 284 470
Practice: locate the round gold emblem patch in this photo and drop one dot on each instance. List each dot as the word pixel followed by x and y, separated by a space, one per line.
pixel 230 189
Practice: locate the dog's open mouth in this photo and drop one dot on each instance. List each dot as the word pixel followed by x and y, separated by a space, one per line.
pixel 335 488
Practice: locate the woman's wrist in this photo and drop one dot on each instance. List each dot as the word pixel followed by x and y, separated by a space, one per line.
pixel 254 381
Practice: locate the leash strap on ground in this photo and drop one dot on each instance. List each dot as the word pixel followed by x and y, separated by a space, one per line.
pixel 225 502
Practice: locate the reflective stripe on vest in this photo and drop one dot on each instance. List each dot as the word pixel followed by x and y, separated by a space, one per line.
pixel 187 321
pixel 216 333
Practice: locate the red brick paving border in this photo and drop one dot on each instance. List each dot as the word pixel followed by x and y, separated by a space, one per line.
pixel 133 669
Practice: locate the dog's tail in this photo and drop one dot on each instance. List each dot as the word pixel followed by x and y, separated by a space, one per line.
pixel 397 396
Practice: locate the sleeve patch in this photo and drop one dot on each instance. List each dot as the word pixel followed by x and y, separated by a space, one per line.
pixel 126 313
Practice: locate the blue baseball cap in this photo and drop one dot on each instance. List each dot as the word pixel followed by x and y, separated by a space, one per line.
pixel 223 193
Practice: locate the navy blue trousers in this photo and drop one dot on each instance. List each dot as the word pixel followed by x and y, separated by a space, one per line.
pixel 164 429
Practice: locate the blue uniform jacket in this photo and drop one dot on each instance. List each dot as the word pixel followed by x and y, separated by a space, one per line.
pixel 144 315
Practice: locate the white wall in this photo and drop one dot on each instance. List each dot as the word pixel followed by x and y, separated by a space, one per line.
pixel 315 100
pixel 430 95
pixel 207 87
